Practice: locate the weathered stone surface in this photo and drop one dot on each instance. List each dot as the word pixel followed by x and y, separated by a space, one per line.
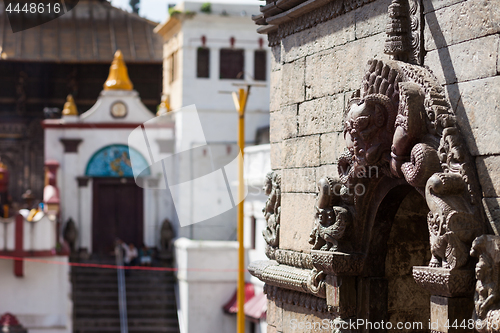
pixel 324 36
pixel 331 146
pixel 271 329
pixel 460 22
pixel 284 123
pixel 445 310
pixel 292 82
pixel 297 219
pixel 371 19
pixel 297 319
pixel 477 113
pixel 275 58
pixel 300 152
pixel 326 170
pixel 498 59
pixel 341 68
pixel 299 180
pixel 488 169
pixel 492 209
pixel 275 152
pixel 321 115
pixel 274 316
pixel 275 90
pixel 475 59
pixel 432 5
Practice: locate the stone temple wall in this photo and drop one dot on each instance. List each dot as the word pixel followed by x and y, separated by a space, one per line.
pixel 314 71
pixel 462 43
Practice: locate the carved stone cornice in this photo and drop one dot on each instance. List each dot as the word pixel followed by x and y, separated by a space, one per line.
pixel 305 15
pixel 293 258
pixel 338 263
pixel 288 277
pixel 307 301
pixel 444 282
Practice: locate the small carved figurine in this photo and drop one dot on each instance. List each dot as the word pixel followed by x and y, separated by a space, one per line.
pixel 166 236
pixel 272 209
pixel 487 296
pixel 70 234
pixel 332 220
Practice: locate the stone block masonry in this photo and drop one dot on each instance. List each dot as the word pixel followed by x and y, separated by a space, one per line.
pixel 462 42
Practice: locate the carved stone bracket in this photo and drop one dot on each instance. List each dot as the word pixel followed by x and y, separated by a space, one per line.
pixel 292 278
pixel 337 263
pixel 444 282
pixel 293 258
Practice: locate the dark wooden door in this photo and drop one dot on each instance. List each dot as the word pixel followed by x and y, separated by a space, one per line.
pixel 117 213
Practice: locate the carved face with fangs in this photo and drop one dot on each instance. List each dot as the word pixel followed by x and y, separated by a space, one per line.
pixel 365 132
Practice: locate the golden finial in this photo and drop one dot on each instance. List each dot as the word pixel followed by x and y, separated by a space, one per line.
pixel 118 75
pixel 70 107
pixel 164 106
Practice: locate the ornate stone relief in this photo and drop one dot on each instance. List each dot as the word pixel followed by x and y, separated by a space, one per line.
pixel 400 132
pixel 272 212
pixel 403 31
pixel 402 126
pixel 332 221
pixel 292 258
pixel 296 298
pixel 487 297
pixel 292 278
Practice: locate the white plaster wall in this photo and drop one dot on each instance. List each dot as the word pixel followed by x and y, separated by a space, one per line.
pixel 202 294
pixel 40 299
pixel 216 111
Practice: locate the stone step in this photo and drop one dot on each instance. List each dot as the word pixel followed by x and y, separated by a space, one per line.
pixel 131 329
pixel 131 304
pixel 130 293
pixel 146 298
pixel 142 312
pixel 128 279
pixel 132 322
pixel 151 305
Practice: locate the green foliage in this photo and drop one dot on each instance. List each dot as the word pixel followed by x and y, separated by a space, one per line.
pixel 206 8
pixel 172 11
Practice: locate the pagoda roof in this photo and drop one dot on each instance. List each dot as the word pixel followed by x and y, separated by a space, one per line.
pixel 90 33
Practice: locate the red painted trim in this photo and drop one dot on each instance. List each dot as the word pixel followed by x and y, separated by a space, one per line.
pixel 18 264
pixel 46 124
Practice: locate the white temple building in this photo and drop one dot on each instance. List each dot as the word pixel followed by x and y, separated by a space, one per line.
pixel 96 176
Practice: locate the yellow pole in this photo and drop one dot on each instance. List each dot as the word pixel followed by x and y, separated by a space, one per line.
pixel 242 101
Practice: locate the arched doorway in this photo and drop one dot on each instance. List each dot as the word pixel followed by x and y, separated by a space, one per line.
pixel 117 204
pixel 408 246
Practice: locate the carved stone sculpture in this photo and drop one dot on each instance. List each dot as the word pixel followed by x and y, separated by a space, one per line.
pixel 70 234
pixel 167 235
pixel 272 209
pixel 487 296
pixel 332 220
pixel 421 144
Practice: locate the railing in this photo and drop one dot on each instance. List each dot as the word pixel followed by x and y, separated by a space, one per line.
pixel 122 290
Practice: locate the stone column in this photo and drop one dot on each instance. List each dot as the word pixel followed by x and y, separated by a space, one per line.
pixel 451 297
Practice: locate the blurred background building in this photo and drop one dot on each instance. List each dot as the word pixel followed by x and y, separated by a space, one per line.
pixel 78 163
pixel 70 55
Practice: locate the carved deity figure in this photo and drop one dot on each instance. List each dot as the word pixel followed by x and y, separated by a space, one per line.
pixel 70 234
pixel 167 235
pixel 402 123
pixel 332 220
pixel 272 209
pixel 487 296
